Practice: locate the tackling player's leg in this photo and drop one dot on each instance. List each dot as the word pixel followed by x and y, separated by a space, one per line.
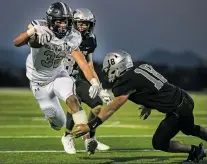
pixel 183 120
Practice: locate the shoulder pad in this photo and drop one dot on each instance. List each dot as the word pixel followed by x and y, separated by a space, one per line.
pixel 40 22
pixel 74 39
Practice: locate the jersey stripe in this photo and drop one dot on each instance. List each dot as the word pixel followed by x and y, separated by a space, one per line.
pixel 64 8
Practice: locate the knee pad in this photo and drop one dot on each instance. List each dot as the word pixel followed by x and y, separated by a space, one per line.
pixel 56 120
pixel 49 112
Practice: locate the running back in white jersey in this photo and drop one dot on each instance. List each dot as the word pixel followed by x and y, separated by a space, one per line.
pixel 44 64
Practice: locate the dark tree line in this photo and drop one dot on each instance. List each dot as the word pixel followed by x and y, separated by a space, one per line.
pixel 193 79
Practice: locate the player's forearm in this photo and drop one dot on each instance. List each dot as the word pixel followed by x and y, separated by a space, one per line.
pixel 110 109
pixel 21 40
pixel 92 66
pixel 94 72
pixel 84 66
pixel 88 73
pixel 107 112
pixel 24 37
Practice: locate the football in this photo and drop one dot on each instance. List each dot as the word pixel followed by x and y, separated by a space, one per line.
pixel 33 42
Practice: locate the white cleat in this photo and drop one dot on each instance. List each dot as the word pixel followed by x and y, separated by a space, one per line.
pixel 91 145
pixel 68 144
pixel 102 147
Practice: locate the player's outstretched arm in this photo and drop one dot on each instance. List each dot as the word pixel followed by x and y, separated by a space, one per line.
pixel 111 108
pixel 105 114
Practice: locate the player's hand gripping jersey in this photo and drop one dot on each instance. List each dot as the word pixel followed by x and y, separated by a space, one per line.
pixel 44 64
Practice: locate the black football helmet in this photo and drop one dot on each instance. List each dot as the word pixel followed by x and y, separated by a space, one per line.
pixel 59 12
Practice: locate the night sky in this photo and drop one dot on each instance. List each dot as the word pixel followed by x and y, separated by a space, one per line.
pixel 137 26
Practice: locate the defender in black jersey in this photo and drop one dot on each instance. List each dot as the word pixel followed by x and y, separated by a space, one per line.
pixel 84 22
pixel 143 85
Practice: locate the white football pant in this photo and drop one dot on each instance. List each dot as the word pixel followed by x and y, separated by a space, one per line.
pixel 47 97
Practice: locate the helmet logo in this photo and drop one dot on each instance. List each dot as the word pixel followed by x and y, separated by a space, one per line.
pixel 49 10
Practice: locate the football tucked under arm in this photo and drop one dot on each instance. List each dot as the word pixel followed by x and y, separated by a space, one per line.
pixel 41 36
pixel 34 42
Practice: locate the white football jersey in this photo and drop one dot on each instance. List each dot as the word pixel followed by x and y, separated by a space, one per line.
pixel 44 64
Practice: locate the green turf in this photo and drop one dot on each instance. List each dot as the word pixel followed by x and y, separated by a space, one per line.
pixel 21 120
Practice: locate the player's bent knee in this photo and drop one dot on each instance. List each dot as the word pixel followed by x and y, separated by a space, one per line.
pixel 55 118
pixel 159 144
pixel 56 123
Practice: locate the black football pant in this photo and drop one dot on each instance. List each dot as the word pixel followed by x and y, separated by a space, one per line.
pixel 180 120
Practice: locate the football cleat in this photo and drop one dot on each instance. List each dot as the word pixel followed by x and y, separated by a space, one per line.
pixel 68 144
pixel 196 155
pixel 90 145
pixel 201 153
pixel 102 147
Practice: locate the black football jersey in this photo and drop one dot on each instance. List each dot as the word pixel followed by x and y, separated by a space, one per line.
pixel 149 88
pixel 87 46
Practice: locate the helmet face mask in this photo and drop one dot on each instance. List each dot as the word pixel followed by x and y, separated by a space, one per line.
pixel 115 64
pixel 84 21
pixel 60 19
pixel 110 76
pixel 83 26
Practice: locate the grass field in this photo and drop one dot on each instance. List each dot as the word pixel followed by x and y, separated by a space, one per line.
pixel 25 136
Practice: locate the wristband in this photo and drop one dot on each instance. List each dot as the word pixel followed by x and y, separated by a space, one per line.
pixel 93 124
pixel 31 32
pixel 94 81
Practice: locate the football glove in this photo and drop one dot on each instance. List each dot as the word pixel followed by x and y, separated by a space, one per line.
pixel 105 96
pixel 44 34
pixel 94 90
pixel 145 112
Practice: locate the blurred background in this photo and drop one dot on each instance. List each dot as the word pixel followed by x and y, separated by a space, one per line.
pixel 171 35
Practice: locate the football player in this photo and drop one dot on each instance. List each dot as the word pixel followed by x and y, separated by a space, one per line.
pixel 51 40
pixel 84 22
pixel 142 84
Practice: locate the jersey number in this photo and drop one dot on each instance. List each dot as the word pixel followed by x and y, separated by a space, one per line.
pixel 52 59
pixel 152 75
